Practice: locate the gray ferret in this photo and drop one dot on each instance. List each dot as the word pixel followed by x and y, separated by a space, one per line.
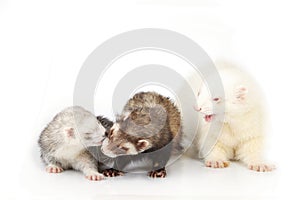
pixel 148 128
pixel 64 141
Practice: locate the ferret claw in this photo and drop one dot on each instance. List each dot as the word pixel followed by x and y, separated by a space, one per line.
pixel 112 172
pixel 261 167
pixel 217 164
pixel 160 173
pixel 54 169
pixel 95 177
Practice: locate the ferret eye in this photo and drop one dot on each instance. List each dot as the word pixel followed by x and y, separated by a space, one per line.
pixel 87 137
pixel 133 115
pixel 124 148
pixel 216 99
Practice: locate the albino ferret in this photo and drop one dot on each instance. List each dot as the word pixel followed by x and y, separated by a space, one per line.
pixel 64 141
pixel 242 133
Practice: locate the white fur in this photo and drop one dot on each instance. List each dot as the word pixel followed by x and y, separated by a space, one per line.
pixel 65 140
pixel 242 134
pixel 131 148
pixel 106 150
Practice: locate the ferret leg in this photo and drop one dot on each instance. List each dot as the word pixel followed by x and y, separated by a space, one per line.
pixel 219 156
pixel 250 153
pixel 52 165
pixel 86 164
pixel 102 158
pixel 51 168
pixel 160 159
pixel 111 172
pixel 119 164
pixel 159 173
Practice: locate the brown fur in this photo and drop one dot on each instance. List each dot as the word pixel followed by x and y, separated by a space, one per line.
pixel 146 106
pixel 148 128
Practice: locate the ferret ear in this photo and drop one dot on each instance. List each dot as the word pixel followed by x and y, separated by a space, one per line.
pixel 133 115
pixel 241 93
pixel 69 132
pixel 143 145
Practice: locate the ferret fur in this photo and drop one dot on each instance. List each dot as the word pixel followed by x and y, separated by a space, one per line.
pixel 64 141
pixel 242 132
pixel 149 127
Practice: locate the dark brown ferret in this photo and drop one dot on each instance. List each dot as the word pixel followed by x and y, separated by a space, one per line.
pixel 149 128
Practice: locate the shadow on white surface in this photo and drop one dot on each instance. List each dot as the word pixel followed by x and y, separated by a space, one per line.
pixel 187 179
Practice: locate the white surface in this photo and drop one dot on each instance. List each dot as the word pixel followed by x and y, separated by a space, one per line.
pixel 186 178
pixel 43 45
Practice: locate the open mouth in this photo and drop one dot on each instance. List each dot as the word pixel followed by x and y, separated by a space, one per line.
pixel 209 118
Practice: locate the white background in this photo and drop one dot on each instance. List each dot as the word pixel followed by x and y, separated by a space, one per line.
pixel 43 45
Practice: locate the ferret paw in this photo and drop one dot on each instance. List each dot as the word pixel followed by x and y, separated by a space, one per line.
pixel 217 164
pixel 54 169
pixel 261 167
pixel 95 176
pixel 112 172
pixel 160 173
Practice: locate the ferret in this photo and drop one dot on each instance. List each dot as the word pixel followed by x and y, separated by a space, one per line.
pixel 64 141
pixel 148 128
pixel 241 137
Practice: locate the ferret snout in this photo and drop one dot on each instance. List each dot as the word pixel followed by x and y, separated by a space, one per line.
pixel 93 139
pixel 97 142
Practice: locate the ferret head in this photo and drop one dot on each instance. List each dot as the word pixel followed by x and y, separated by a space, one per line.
pixel 135 130
pixel 87 130
pixel 237 101
pixel 117 143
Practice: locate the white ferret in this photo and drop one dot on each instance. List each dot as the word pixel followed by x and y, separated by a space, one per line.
pixel 242 125
pixel 64 141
